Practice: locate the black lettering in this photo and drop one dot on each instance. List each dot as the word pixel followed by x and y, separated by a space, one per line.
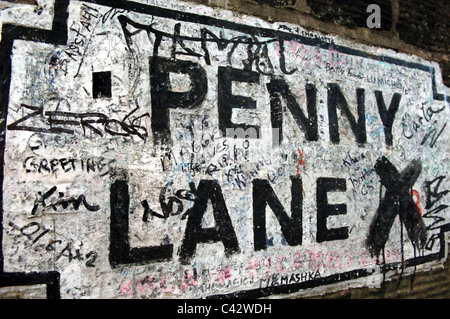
pixel 64 162
pixel 325 185
pixel 283 58
pixel 54 165
pixel 37 112
pixel 29 234
pixel 177 39
pixel 278 89
pixel 337 100
pixel 208 36
pixel 164 98
pixel 432 191
pixel 222 231
pixel 90 165
pixel 91 258
pixel 119 249
pixel 388 116
pixel 44 166
pixel 28 163
pixel 291 227
pixel 434 134
pixel 227 101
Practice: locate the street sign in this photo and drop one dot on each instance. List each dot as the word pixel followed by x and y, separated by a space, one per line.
pixel 187 152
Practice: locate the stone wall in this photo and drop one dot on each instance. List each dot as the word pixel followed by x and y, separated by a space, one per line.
pixel 223 149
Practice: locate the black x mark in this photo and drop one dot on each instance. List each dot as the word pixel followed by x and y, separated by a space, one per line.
pixel 397 200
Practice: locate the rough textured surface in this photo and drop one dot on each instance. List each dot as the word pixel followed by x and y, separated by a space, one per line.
pixel 350 13
pixel 277 3
pixel 425 24
pixel 33 2
pixel 177 150
pixel 433 284
pixel 23 292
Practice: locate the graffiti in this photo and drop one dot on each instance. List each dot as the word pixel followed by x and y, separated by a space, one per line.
pixel 434 195
pixel 207 37
pixel 201 150
pixel 41 207
pixel 361 182
pixel 410 126
pixel 276 279
pixel 70 251
pixel 57 122
pixel 153 151
pixel 433 135
pixel 164 98
pixel 36 165
pixel 301 162
pixel 350 160
pixel 397 201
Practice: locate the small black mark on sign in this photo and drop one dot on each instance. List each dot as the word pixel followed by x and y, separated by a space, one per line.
pixel 101 85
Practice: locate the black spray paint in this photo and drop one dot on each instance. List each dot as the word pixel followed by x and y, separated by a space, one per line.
pixel 396 201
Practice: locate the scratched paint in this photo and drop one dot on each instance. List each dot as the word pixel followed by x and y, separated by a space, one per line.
pixel 177 151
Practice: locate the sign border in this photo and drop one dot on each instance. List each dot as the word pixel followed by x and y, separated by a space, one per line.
pixel 58 35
